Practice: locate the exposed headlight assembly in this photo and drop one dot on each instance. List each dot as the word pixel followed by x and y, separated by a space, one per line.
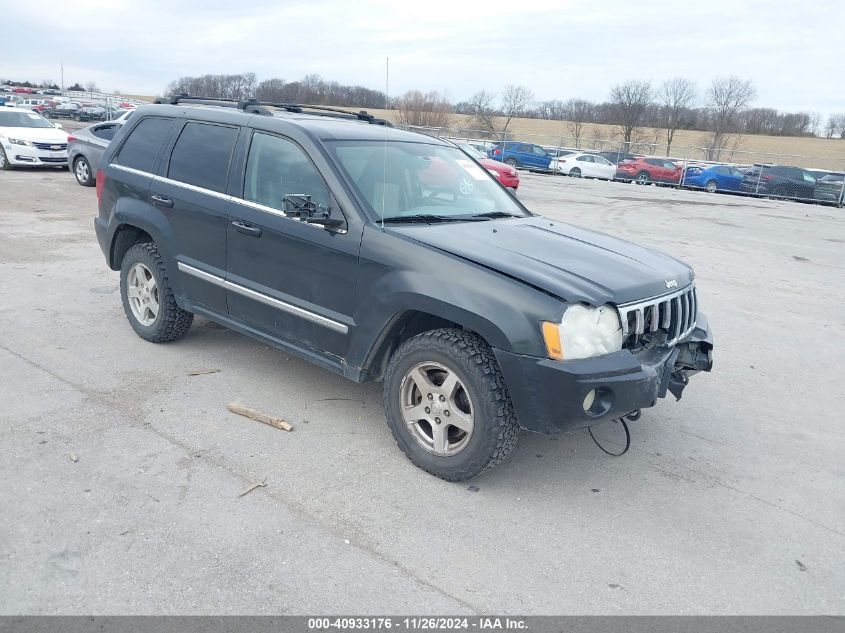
pixel 18 141
pixel 584 332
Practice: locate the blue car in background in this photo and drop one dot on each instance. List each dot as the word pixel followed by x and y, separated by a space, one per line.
pixel 518 154
pixel 713 178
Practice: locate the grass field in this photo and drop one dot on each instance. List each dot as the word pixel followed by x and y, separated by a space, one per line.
pixel 800 151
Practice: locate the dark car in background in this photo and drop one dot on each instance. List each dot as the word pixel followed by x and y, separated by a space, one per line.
pixel 91 113
pixel 616 157
pixel 65 110
pixel 780 181
pixel 85 147
pixel 518 154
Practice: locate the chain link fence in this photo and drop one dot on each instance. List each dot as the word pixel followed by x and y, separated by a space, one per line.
pixel 817 179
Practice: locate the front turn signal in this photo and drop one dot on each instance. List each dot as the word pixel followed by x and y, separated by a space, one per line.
pixel 551 336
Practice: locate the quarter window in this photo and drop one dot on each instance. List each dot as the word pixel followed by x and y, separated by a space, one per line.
pixel 277 167
pixel 141 148
pixel 201 155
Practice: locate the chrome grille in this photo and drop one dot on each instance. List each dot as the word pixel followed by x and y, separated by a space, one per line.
pixel 49 146
pixel 674 314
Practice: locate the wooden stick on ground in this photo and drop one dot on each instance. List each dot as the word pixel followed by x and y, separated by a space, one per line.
pixel 258 416
pixel 201 372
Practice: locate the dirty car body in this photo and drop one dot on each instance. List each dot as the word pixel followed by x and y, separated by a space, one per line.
pixel 349 268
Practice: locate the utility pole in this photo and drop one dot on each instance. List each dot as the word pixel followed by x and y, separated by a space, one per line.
pixel 63 78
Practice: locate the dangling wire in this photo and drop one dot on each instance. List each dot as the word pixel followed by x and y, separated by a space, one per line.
pixel 627 438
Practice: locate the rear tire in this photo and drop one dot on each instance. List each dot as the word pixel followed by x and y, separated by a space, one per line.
pixel 447 404
pixel 512 162
pixel 148 299
pixel 643 178
pixel 82 171
pixel 711 186
pixel 575 172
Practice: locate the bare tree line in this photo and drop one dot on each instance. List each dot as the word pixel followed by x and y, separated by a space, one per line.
pixel 723 109
pixel 311 89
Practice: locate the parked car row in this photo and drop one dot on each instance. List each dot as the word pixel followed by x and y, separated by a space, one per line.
pixel 780 181
pixel 29 139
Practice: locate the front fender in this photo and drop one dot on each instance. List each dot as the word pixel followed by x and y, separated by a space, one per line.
pixel 399 275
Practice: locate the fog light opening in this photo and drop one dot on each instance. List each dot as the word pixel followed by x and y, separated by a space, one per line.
pixel 598 402
pixel 589 399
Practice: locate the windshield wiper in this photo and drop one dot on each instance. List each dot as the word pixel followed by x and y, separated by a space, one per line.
pixel 496 214
pixel 431 219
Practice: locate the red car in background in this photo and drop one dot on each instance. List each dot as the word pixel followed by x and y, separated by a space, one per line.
pixel 645 170
pixel 505 174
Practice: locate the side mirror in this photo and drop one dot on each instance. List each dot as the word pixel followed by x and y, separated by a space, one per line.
pixel 57 125
pixel 299 205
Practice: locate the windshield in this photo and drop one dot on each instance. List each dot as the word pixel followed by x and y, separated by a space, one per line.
pixel 469 149
pixel 23 119
pixel 400 179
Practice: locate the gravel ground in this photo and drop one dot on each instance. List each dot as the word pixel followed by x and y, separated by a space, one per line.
pixel 121 473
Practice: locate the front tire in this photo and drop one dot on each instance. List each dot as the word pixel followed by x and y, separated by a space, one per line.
pixel 82 171
pixel 5 165
pixel 447 404
pixel 148 300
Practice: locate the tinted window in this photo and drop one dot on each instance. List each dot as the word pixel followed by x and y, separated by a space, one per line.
pixel 140 149
pixel 539 151
pixel 105 132
pixel 201 155
pixel 276 167
pixel 523 148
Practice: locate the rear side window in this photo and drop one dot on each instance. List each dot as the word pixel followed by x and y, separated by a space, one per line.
pixel 141 148
pixel 201 155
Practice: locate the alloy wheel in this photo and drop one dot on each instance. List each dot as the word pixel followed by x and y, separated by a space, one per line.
pixel 82 171
pixel 142 292
pixel 436 408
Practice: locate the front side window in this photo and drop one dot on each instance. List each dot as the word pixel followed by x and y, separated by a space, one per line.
pixel 144 142
pixel 399 179
pixel 277 167
pixel 201 155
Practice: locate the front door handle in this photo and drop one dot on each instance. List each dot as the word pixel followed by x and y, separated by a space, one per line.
pixel 161 201
pixel 246 229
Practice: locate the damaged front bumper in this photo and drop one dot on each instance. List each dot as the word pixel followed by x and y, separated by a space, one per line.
pixel 557 396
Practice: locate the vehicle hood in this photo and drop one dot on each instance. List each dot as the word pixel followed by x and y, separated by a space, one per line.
pixel 46 134
pixel 495 165
pixel 569 262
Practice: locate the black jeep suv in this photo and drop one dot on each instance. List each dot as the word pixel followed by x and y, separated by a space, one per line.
pixel 386 255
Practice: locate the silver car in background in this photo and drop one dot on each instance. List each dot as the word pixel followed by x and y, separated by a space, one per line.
pixel 86 146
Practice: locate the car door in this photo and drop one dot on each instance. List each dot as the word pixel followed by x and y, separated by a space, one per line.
pixel 539 157
pixel 190 191
pixel 603 168
pixel 291 280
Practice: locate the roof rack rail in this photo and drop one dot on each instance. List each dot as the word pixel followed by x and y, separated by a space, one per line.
pixel 260 107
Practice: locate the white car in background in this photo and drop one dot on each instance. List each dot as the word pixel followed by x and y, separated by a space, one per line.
pixel 583 165
pixel 27 138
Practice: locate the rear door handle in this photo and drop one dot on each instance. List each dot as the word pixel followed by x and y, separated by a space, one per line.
pixel 246 229
pixel 161 201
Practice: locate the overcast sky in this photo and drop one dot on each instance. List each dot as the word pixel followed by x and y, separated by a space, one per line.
pixel 793 52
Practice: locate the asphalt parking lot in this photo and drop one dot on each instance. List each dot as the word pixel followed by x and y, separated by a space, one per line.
pixel 121 473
